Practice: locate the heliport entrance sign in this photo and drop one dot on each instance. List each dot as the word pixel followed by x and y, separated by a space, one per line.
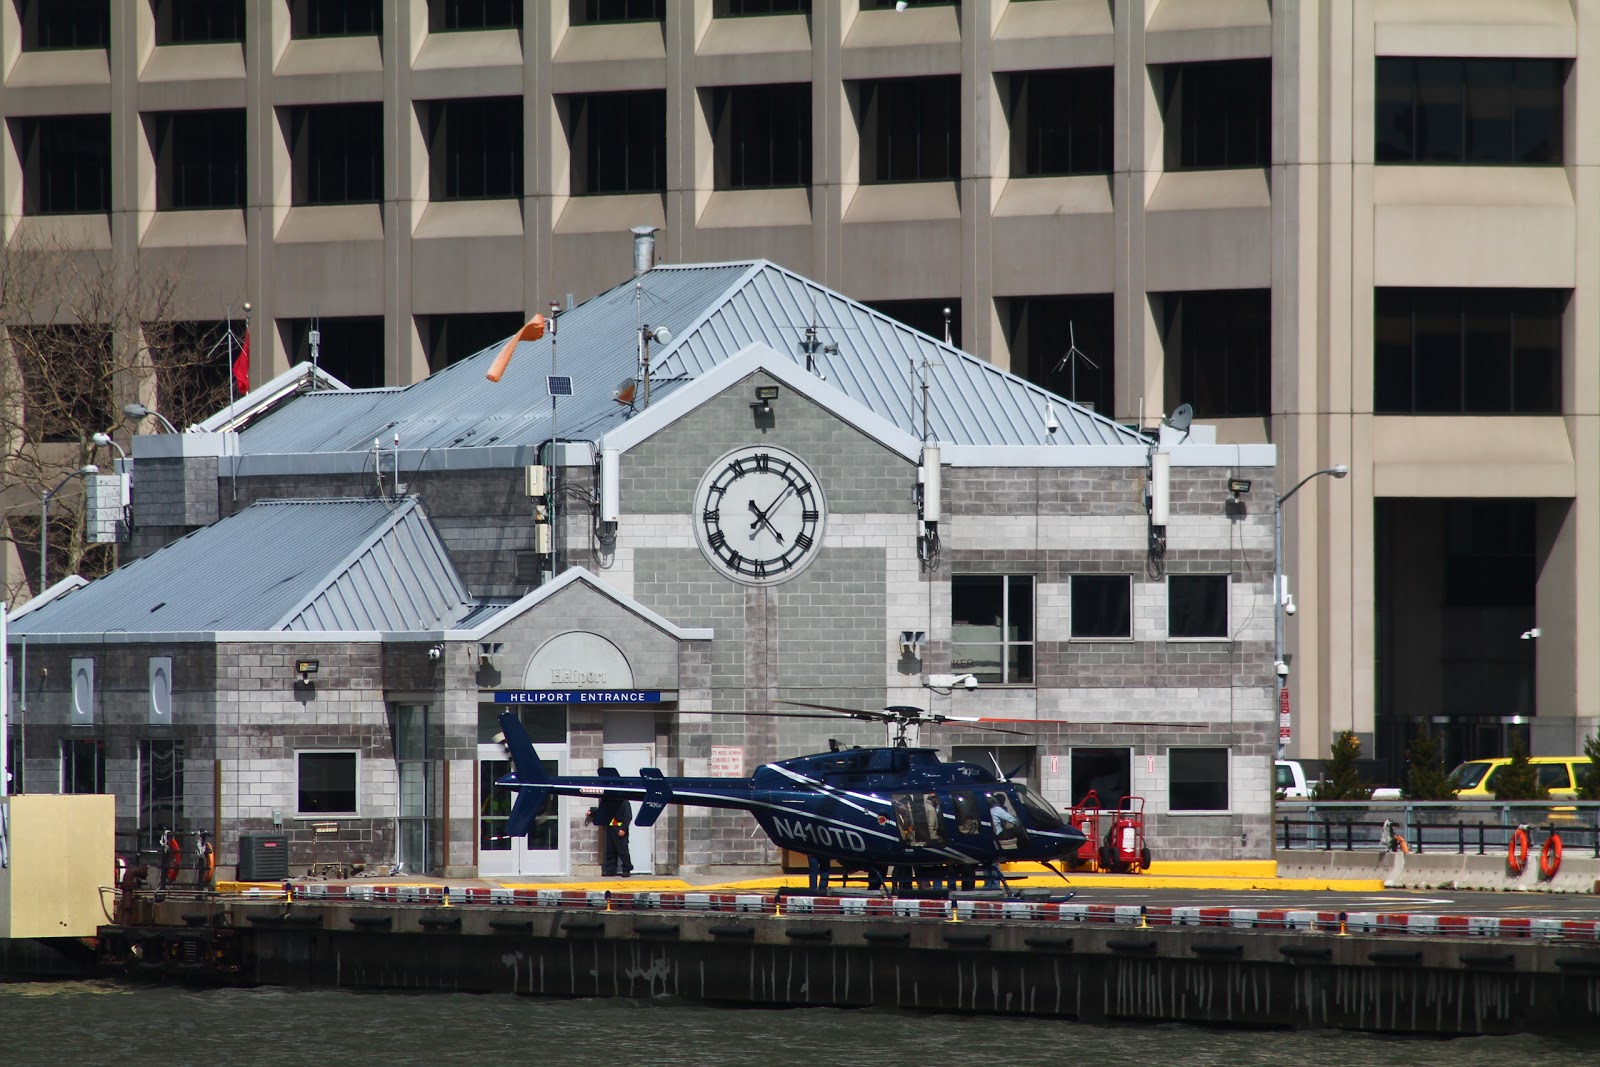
pixel 578 696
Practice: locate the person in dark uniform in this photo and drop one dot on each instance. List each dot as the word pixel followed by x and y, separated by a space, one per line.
pixel 614 816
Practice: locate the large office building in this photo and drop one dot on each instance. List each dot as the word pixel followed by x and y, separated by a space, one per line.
pixel 1350 228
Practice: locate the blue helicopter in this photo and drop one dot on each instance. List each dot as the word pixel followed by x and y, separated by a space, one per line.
pixel 898 814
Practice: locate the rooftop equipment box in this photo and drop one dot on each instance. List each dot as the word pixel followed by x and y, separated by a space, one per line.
pixel 263 857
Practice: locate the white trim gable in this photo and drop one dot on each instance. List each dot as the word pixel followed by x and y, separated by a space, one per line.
pixel 568 577
pixel 729 373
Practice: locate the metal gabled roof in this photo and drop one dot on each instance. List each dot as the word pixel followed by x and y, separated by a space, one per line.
pixel 713 311
pixel 278 565
pixel 595 344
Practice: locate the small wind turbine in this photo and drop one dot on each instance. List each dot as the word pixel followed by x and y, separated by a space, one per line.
pixel 1070 360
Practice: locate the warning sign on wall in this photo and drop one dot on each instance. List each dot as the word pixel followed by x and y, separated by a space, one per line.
pixel 1283 714
pixel 727 761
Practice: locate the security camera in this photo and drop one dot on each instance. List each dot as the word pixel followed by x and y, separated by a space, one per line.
pixel 1050 423
pixel 1288 606
pixel 970 681
pixel 1282 668
pixel 436 652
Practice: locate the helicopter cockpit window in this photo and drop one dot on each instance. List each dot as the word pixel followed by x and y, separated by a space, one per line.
pixel 1041 813
pixel 1004 822
pixel 969 817
pixel 917 815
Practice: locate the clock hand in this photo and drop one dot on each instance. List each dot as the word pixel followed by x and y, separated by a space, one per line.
pixel 761 518
pixel 787 489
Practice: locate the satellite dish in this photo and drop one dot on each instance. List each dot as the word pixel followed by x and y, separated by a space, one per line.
pixel 625 391
pixel 660 335
pixel 1181 417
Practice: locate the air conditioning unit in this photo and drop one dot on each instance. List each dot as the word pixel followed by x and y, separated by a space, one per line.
pixel 263 857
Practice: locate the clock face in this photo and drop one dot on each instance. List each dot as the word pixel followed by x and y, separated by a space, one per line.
pixel 758 515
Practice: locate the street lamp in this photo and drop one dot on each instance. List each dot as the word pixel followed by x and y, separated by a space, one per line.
pixel 102 440
pixel 44 521
pixel 137 411
pixel 1278 663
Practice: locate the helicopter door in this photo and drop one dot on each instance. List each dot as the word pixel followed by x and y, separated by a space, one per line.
pixel 969 816
pixel 1003 820
pixel 917 815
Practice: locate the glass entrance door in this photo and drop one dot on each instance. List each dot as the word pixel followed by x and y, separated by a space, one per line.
pixel 544 850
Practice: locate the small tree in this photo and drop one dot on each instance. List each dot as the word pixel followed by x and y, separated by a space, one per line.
pixel 1426 777
pixel 1340 779
pixel 1589 777
pixel 82 332
pixel 1518 780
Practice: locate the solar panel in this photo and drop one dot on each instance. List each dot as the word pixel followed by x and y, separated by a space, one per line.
pixel 558 384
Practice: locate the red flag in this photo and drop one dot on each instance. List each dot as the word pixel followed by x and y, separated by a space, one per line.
pixel 532 331
pixel 241 366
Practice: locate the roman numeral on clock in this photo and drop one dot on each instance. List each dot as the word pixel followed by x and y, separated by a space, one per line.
pixel 809 516
pixel 712 516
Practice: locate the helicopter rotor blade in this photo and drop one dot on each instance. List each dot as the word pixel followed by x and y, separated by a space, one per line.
pixel 855 713
pixel 980 726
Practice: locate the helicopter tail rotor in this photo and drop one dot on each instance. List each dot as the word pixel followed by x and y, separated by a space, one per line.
pixel 528 770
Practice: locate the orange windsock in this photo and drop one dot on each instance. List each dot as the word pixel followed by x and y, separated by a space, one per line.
pixel 531 332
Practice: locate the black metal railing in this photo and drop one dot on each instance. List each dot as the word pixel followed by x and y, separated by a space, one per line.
pixel 1468 828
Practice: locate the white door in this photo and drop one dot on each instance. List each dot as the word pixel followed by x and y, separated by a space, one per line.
pixel 542 852
pixel 628 759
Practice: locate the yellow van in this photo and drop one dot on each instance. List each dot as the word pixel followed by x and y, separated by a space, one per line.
pixel 1560 774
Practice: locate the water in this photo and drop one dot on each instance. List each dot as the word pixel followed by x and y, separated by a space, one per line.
pixel 84 1023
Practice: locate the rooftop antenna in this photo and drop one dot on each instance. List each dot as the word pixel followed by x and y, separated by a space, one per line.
pixel 314 335
pixel 1070 360
pixel 947 339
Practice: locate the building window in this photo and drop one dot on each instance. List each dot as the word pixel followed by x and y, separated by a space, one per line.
pixel 1219 351
pixel 199 21
pixel 335 18
pixel 66 164
pixel 1061 122
pixel 83 765
pixel 67 376
pixel 350 349
pixel 586 11
pixel 56 24
pixel 910 129
pixel 619 142
pixel 475 149
pixel 544 726
pixel 445 16
pixel 1217 114
pixel 1105 772
pixel 414 785
pixel 1197 605
pixel 448 339
pixel 890 5
pixel 1102 605
pixel 924 315
pixel 1468 351
pixel 337 151
pixel 193 361
pixel 1474 111
pixel 325 783
pixel 991 627
pixel 1197 779
pixel 735 8
pixel 763 136
pixel 1065 344
pixel 200 159
pixel 160 788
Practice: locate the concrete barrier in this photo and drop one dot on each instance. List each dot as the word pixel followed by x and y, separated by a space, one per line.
pixel 1448 870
